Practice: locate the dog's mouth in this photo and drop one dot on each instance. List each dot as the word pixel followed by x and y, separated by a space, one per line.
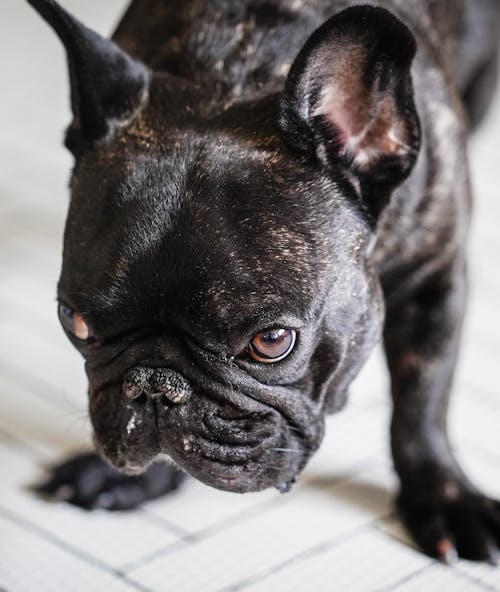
pixel 223 445
pixel 246 454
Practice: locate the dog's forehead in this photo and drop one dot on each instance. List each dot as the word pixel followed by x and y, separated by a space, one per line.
pixel 200 230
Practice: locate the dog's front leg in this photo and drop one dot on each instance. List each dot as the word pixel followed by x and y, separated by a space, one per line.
pixel 445 514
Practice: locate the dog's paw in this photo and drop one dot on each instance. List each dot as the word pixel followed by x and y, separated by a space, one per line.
pixel 467 526
pixel 89 482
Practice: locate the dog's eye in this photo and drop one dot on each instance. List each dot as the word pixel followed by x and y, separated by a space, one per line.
pixel 272 345
pixel 73 322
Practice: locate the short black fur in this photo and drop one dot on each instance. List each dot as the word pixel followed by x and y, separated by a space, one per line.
pixel 228 182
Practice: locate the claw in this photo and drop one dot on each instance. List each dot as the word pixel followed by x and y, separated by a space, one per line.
pixel 447 552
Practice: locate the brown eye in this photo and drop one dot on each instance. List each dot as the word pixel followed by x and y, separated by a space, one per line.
pixel 272 345
pixel 73 322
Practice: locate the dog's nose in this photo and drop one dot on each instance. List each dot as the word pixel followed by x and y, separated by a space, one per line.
pixel 156 383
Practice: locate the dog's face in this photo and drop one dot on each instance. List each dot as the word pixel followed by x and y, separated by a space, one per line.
pixel 216 273
pixel 189 258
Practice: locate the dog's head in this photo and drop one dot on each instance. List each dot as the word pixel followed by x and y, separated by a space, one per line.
pixel 216 273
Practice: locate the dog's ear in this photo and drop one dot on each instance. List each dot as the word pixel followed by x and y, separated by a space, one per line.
pixel 107 85
pixel 348 101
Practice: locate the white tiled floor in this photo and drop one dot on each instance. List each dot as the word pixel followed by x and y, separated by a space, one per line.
pixel 335 530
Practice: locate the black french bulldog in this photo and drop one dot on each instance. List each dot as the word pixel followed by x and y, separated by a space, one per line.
pixel 262 189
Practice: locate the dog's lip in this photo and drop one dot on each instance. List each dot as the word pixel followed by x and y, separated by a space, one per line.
pixel 236 477
pixel 241 478
pixel 225 453
pixel 244 430
pixel 230 474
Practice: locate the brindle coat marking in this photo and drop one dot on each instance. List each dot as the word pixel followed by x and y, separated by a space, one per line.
pixel 233 181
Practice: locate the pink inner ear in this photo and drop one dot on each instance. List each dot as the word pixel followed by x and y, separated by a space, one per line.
pixel 367 127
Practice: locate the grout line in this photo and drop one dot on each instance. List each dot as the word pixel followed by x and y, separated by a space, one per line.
pixel 162 521
pixel 408 577
pixel 395 515
pixel 22 522
pixel 313 551
pixel 470 578
pixel 233 520
pixel 238 518
pixel 454 568
pixel 166 550
pixel 213 529
pixel 198 536
pixel 474 580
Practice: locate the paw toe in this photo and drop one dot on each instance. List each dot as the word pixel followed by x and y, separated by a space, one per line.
pixel 468 528
pixel 90 483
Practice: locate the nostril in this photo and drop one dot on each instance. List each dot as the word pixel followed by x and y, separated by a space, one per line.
pixel 141 399
pixel 136 382
pixel 131 390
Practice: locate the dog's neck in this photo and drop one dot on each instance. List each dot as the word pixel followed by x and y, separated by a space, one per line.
pixel 240 51
pixel 243 50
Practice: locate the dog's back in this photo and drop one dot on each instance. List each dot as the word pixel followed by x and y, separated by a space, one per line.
pixel 246 48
